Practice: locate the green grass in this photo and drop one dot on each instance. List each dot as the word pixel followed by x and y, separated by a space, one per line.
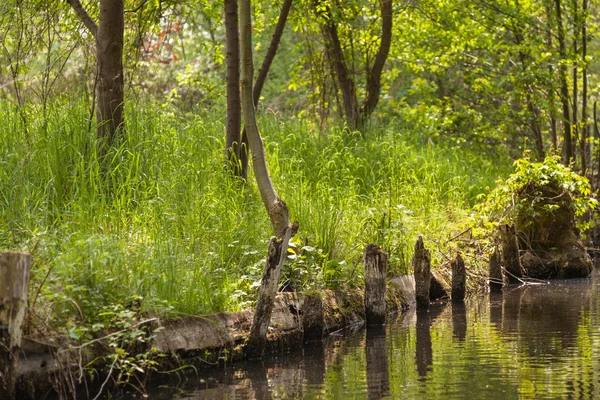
pixel 161 219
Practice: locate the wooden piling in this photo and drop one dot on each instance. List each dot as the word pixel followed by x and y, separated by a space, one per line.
pixel 459 279
pixel 14 282
pixel 510 253
pixel 496 281
pixel 375 261
pixel 422 265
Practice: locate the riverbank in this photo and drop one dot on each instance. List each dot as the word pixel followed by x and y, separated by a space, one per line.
pixel 204 341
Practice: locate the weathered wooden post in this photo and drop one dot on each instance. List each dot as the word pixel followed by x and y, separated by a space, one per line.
pixel 459 279
pixel 375 261
pixel 422 265
pixel 495 271
pixel 14 282
pixel 510 253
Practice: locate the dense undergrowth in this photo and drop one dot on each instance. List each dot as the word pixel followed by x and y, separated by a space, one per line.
pixel 161 222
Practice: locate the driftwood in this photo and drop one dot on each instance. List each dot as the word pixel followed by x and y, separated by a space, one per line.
pixel 459 279
pixel 14 282
pixel 422 265
pixel 375 261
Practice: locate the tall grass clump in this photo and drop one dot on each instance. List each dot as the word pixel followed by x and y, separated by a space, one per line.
pixel 159 219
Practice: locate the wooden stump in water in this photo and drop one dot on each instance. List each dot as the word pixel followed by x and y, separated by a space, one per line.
pixel 459 279
pixel 14 282
pixel 510 253
pixel 276 256
pixel 375 261
pixel 422 265
pixel 313 318
pixel 496 280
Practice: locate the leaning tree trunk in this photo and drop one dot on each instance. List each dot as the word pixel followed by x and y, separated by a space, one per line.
pixel 276 208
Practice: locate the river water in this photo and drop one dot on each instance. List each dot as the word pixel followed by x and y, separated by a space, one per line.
pixel 538 341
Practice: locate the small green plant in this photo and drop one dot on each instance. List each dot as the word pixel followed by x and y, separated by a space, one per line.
pixel 535 192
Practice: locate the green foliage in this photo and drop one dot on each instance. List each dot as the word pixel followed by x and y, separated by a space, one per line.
pixel 161 219
pixel 511 199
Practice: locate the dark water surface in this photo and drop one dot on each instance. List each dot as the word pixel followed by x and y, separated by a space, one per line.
pixel 531 342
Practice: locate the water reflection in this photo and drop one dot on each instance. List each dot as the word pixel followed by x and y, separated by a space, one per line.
pixel 526 342
pixel 424 352
pixel 459 321
pixel 378 377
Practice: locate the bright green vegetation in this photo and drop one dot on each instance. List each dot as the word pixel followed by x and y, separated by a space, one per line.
pixel 161 218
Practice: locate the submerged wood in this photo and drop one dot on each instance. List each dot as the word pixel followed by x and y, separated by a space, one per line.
pixel 422 267
pixel 510 253
pixel 14 282
pixel 375 261
pixel 495 271
pixel 459 279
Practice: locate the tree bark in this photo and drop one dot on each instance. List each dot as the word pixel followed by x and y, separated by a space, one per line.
pixel 564 90
pixel 14 284
pixel 374 75
pixel 375 261
pixel 422 266
pixel 109 57
pixel 232 76
pixel 276 208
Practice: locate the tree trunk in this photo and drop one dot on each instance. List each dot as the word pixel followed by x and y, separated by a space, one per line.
pixel 459 279
pixel 575 97
pixel 271 51
pixel 422 266
pixel 262 77
pixel 564 90
pixel 374 75
pixel 276 208
pixel 585 148
pixel 551 97
pixel 233 127
pixel 375 261
pixel 344 78
pixel 496 280
pixel 14 284
pixel 510 253
pixel 109 57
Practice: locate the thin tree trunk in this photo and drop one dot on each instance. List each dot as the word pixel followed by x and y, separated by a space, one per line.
pixel 551 97
pixel 271 51
pixel 344 78
pixel 232 76
pixel 374 75
pixel 574 119
pixel 262 77
pixel 276 208
pixel 585 150
pixel 564 90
